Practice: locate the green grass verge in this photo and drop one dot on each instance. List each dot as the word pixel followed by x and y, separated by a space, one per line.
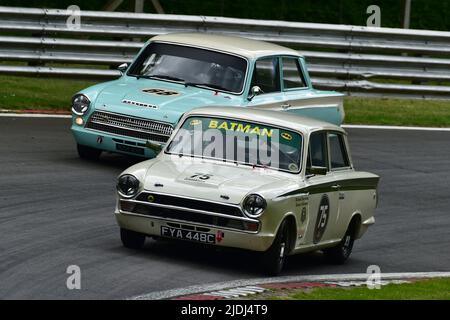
pixel 38 93
pixel 427 113
pixel 42 93
pixel 434 289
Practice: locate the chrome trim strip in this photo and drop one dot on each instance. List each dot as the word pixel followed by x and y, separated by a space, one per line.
pixel 140 104
pixel 122 137
pixel 190 210
pixel 190 198
pixel 189 222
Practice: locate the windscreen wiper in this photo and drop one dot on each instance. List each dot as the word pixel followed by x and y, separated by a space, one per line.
pixel 163 77
pixel 208 85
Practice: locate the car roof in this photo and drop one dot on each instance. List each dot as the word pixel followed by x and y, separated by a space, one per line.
pixel 248 48
pixel 275 118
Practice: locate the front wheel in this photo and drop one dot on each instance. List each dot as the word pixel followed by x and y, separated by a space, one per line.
pixel 88 153
pixel 275 256
pixel 132 239
pixel 340 253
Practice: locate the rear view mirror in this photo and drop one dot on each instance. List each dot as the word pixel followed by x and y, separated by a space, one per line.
pixel 123 67
pixel 312 171
pixel 254 91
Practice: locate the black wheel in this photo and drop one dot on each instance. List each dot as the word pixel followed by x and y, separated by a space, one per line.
pixel 131 239
pixel 88 153
pixel 340 253
pixel 275 256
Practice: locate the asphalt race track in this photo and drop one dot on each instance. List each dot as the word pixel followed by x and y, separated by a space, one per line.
pixel 57 210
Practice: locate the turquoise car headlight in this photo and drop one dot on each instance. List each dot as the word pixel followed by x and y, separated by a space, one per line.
pixel 80 104
pixel 127 185
pixel 254 205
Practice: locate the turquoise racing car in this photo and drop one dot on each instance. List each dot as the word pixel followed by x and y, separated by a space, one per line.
pixel 175 73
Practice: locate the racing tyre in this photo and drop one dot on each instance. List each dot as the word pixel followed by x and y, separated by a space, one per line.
pixel 340 253
pixel 275 256
pixel 131 239
pixel 88 153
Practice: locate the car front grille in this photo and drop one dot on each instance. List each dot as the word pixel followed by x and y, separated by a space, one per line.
pixel 130 126
pixel 192 204
pixel 187 210
pixel 182 215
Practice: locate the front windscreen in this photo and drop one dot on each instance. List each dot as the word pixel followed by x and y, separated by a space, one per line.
pixel 192 66
pixel 242 142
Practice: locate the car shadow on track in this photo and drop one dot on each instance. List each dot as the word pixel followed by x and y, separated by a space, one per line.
pixel 118 160
pixel 227 260
pixel 106 162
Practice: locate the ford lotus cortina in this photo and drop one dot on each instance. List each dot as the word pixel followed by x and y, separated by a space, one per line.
pixel 174 73
pixel 264 181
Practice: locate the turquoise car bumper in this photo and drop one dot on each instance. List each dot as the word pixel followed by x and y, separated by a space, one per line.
pixel 110 142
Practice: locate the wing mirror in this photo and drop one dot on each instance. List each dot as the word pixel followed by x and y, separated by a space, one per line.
pixel 154 146
pixel 254 91
pixel 123 67
pixel 313 171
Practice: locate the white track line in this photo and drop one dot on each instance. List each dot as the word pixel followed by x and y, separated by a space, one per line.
pixel 345 126
pixel 197 289
pixel 35 115
pixel 357 126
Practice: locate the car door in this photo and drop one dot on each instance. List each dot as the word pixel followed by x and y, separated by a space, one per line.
pixel 266 75
pixel 300 98
pixel 323 192
pixel 343 173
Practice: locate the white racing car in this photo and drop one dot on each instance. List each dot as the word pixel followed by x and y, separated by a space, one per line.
pixel 258 180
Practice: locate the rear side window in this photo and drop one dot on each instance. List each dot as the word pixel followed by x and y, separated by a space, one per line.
pixel 317 153
pixel 338 152
pixel 267 75
pixel 292 74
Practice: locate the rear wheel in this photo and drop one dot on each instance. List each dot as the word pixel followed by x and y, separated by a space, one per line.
pixel 88 153
pixel 132 239
pixel 340 253
pixel 275 256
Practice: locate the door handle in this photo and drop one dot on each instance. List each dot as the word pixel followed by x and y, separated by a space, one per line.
pixel 336 186
pixel 285 106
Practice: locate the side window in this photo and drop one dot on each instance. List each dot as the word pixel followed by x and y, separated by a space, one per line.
pixel 317 152
pixel 267 75
pixel 338 153
pixel 292 74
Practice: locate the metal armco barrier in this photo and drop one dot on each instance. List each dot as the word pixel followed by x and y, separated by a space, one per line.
pixel 359 61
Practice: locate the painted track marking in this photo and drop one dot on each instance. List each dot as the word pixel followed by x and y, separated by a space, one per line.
pixel 223 286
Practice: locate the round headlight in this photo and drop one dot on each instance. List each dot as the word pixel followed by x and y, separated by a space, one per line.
pixel 254 205
pixel 80 104
pixel 127 185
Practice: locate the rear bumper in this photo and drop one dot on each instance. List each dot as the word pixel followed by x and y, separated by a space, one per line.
pixel 151 226
pixel 364 226
pixel 111 142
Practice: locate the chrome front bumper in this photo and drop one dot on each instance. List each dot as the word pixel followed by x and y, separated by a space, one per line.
pixel 147 216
